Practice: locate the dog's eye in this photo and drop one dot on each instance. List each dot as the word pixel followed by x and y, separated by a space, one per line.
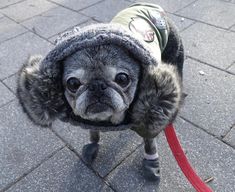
pixel 122 79
pixel 73 84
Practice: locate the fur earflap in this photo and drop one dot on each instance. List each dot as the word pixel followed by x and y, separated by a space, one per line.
pixel 158 100
pixel 40 92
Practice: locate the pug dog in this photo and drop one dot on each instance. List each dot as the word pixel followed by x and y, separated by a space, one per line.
pixel 126 74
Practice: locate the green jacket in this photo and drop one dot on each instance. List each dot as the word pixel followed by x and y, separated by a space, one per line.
pixel 148 21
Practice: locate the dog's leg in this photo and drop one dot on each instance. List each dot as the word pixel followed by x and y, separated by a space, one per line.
pixel 151 160
pixel 90 151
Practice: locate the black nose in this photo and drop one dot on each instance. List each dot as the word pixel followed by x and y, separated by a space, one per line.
pixel 97 85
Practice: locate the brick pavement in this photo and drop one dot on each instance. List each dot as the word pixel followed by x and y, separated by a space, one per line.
pixel 35 159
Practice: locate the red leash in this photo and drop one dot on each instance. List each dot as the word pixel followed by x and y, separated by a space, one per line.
pixel 183 162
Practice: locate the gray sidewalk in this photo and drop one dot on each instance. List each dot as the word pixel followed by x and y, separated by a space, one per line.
pixel 34 159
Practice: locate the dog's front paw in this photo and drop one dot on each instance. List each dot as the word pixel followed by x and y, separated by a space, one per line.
pixel 151 170
pixel 89 152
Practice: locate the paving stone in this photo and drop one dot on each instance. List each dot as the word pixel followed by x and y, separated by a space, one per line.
pixel 209 156
pixel 9 29
pixel 129 175
pixel 5 3
pixel 169 5
pixel 230 137
pixel 23 145
pixel 54 21
pixel 229 1
pixel 210 44
pixel 180 22
pixel 233 28
pixel 11 82
pixel 6 94
pixel 214 12
pixel 89 22
pixel 13 53
pixel 76 4
pixel 206 153
pixel 27 9
pixel 106 10
pixel 232 68
pixel 210 101
pixel 64 172
pixel 114 146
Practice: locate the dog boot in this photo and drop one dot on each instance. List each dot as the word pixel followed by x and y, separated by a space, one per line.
pixel 89 152
pixel 151 170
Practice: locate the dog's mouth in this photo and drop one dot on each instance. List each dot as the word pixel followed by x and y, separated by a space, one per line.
pixel 98 107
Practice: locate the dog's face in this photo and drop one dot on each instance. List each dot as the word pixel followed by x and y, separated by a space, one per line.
pixel 100 82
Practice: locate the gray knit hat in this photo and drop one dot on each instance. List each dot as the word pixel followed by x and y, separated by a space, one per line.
pixel 99 34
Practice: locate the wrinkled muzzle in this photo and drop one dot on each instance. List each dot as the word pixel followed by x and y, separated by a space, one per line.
pixel 99 102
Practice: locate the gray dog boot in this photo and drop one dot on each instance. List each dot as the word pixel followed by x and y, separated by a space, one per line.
pixel 89 152
pixel 151 170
